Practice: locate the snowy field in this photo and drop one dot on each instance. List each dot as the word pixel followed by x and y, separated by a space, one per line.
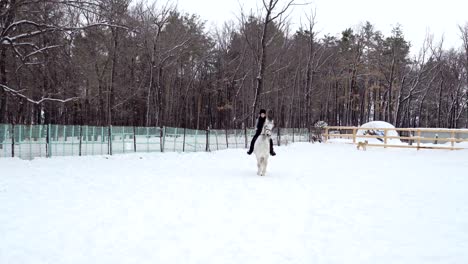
pixel 319 203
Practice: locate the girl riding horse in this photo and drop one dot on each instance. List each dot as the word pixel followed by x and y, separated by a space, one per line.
pixel 260 122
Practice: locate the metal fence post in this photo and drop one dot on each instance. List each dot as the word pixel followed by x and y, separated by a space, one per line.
pixel 40 139
pixel 164 138
pixel 235 138
pixel 81 140
pixel 147 140
pixel 123 139
pixel 245 134
pixel 161 148
pixel 227 141
pixel 3 139
pixel 162 141
pixel 216 137
pixel 56 138
pixel 30 141
pixel 109 135
pixel 2 135
pixel 279 136
pixel 73 138
pixel 207 139
pixel 19 139
pixel 175 139
pixel 12 140
pixel 183 144
pixel 102 139
pixel 94 139
pixel 134 139
pixel 48 143
pixel 196 137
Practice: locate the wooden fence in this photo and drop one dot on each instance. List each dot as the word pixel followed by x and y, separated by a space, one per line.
pixel 412 139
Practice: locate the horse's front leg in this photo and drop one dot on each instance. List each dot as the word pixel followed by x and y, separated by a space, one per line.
pixel 259 167
pixel 265 163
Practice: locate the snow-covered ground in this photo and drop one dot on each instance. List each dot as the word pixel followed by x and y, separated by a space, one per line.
pixel 319 203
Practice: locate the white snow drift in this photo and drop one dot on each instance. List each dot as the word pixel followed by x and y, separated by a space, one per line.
pixel 374 127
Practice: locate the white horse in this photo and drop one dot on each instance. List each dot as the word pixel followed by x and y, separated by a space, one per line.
pixel 262 147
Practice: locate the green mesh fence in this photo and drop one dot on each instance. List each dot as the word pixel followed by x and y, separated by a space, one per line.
pixel 291 135
pixel 64 140
pixel 31 141
pixel 195 140
pixel 94 140
pixel 148 139
pixel 122 140
pixel 173 139
pixel 5 141
pixel 25 142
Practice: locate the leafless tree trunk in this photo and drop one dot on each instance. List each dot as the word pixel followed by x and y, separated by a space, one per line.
pixel 3 80
pixel 270 17
pixel 464 37
pixel 157 19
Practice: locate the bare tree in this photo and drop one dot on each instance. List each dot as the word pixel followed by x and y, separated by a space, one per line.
pixel 316 58
pixel 154 19
pixel 109 62
pixel 419 72
pixel 464 37
pixel 270 16
pixel 32 33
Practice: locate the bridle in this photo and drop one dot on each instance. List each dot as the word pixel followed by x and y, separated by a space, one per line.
pixel 266 131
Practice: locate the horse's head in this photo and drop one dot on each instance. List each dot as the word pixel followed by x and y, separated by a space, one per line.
pixel 267 128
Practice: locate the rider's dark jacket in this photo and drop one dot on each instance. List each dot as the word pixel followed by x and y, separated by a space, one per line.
pixel 259 125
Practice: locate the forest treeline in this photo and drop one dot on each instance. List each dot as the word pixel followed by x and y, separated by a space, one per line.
pixel 123 62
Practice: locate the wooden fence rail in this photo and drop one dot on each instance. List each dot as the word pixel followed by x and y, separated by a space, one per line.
pixel 414 136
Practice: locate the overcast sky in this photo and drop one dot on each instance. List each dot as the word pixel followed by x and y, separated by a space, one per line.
pixel 333 16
